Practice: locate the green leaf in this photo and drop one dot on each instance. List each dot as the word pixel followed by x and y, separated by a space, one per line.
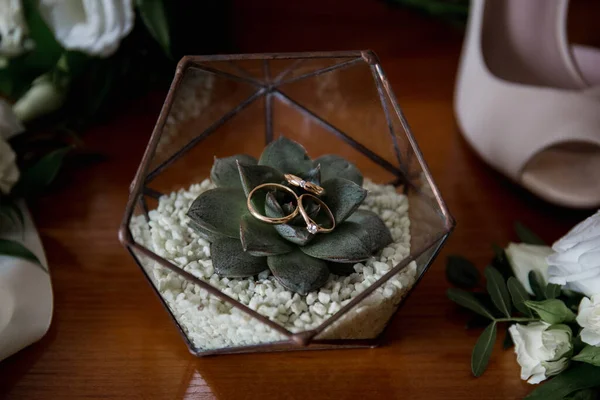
pixel 230 260
pixel 295 234
pixel 585 394
pixel 552 291
pixel 376 233
pixel 342 197
pixel 507 343
pixel 205 233
pixel 11 212
pixel 254 175
pixel 519 295
pixel 298 272
pixel 225 172
pixel 219 211
pixel 578 377
pixel 483 350
pixel 334 166
pixel 16 249
pixel 467 300
pixel 501 263
pixel 536 281
pixel 496 287
pixel 260 239
pixel 314 175
pixel 526 235
pixel 552 311
pixel 286 156
pixel 590 355
pixel 349 242
pixel 39 176
pixel 462 272
pixel 154 16
pixel 47 50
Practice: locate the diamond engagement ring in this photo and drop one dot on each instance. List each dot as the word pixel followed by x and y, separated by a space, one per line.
pixel 311 225
pixel 308 186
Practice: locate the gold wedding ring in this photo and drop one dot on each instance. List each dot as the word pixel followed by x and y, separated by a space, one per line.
pixel 308 186
pixel 266 219
pixel 311 225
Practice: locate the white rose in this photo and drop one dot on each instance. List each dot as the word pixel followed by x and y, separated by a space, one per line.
pixel 524 258
pixel 43 97
pixel 13 29
pixel 589 319
pixel 542 350
pixel 576 261
pixel 94 27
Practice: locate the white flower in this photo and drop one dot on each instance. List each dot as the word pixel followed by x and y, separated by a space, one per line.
pixel 542 350
pixel 576 261
pixel 43 97
pixel 94 27
pixel 589 319
pixel 13 29
pixel 524 258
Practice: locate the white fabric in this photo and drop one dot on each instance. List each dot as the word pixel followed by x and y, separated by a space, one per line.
pixel 26 300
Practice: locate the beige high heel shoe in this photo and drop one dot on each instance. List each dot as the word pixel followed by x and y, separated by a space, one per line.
pixel 528 103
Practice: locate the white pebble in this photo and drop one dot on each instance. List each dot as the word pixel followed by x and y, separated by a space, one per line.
pixel 211 323
pixel 324 297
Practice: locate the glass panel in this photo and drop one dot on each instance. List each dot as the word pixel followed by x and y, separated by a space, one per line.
pixel 339 111
pixel 368 318
pixel 209 322
pixel 347 98
pixel 200 102
pixel 292 123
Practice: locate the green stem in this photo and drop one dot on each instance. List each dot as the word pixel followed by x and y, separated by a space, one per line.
pixel 516 319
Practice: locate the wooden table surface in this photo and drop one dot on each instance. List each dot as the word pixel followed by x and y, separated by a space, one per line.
pixel 110 337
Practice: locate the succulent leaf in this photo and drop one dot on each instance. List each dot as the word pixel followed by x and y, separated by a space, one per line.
pixel 376 233
pixel 224 172
pixel 295 234
pixel 253 175
pixel 219 211
pixel 204 233
pixel 314 175
pixel 230 260
pixel 341 269
pixel 260 239
pixel 298 272
pixel 342 197
pixel 334 166
pixel 350 242
pixel 287 156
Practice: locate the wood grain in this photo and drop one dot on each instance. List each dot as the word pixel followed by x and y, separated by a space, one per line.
pixel 110 338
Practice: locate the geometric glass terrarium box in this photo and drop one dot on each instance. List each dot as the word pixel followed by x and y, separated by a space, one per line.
pixel 338 115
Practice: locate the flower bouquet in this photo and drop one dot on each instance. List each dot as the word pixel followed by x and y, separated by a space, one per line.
pixel 550 298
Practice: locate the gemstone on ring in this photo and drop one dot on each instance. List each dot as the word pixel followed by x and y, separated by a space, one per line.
pixel 312 228
pixel 308 186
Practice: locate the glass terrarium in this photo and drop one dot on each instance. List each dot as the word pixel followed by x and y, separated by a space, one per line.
pixel 336 103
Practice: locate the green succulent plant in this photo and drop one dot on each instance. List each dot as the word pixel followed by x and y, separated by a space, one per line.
pixel 243 246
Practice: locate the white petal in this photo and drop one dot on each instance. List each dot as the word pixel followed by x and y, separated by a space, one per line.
pixel 95 27
pixel 590 337
pixel 582 231
pixel 524 258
